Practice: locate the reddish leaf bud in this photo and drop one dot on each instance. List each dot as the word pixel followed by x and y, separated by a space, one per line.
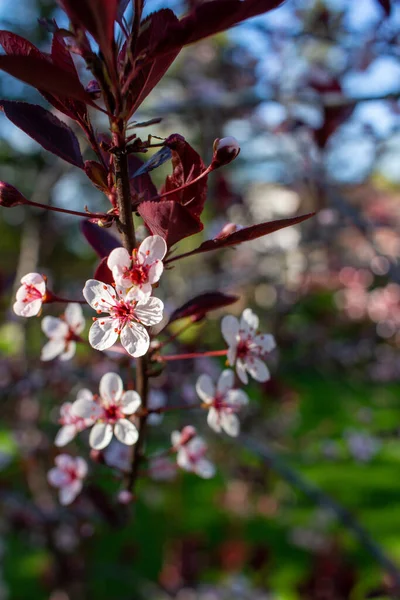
pixel 227 230
pixel 10 196
pixel 225 151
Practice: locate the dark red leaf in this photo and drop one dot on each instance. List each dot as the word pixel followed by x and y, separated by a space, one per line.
pixel 246 234
pixel 187 165
pixel 142 187
pixel 45 128
pixel 169 219
pixel 387 6
pixel 101 240
pixel 97 16
pixel 153 28
pixel 212 17
pixel 17 45
pixel 44 76
pixel 103 273
pixel 200 305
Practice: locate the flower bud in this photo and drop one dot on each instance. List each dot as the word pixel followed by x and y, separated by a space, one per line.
pixel 93 89
pixel 187 434
pixel 225 151
pixel 10 196
pixel 125 497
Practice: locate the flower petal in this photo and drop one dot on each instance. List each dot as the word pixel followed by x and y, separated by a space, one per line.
pixel 241 371
pixel 135 339
pixel 130 402
pixel 150 311
pixel 205 469
pixel 230 329
pixel 119 258
pixel 103 334
pixel 126 432
pixel 257 368
pixel 155 271
pixel 65 435
pixel 205 388
pixel 182 459
pixel 86 409
pixel 54 327
pixel 151 249
pixel 230 423
pixel 84 393
pixel 214 420
pixel 225 381
pixel 68 493
pixel 81 467
pixel 237 398
pixel 99 295
pixel 64 462
pixel 265 341
pixel 69 351
pixel 35 279
pixel 27 309
pixel 111 387
pixel 56 477
pixel 100 436
pixel 74 317
pixel 249 322
pixel 52 349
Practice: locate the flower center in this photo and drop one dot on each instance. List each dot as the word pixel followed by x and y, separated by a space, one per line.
pixel 32 293
pixel 112 413
pixel 242 348
pixel 137 274
pixel 123 311
pixel 72 474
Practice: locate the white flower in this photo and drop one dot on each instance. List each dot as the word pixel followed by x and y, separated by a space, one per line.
pixel 67 475
pixel 191 450
pixel 30 295
pixel 142 269
pixel 71 423
pixel 128 316
pixel 62 333
pixel 109 412
pixel 223 402
pixel 247 348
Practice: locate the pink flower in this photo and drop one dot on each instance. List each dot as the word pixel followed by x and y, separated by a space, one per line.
pixel 30 295
pixel 162 469
pixel 128 316
pixel 247 349
pixel 109 412
pixel 62 333
pixel 142 269
pixel 71 423
pixel 223 402
pixel 67 475
pixel 191 450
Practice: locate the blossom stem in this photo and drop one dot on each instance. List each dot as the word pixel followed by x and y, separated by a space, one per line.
pixel 77 213
pixel 173 336
pixel 194 355
pixel 54 298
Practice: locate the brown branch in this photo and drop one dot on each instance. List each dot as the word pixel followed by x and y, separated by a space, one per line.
pixel 127 230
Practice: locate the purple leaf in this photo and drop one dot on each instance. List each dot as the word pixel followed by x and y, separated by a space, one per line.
pixel 169 219
pixel 101 240
pixel 45 128
pixel 244 235
pixel 45 76
pixel 200 305
pixel 103 273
